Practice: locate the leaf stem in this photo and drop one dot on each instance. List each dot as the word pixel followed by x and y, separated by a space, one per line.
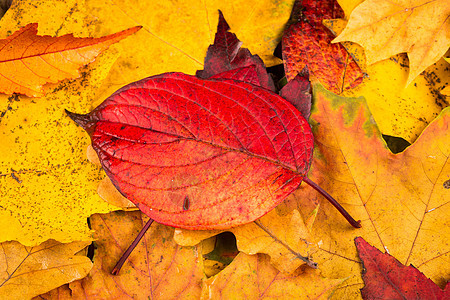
pixel 356 224
pixel 118 266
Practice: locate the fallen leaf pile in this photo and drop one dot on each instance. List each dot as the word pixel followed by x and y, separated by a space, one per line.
pixel 60 239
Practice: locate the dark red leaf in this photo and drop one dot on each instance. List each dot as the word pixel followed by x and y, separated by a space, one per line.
pixel 298 93
pixel 234 149
pixel 226 54
pixel 386 278
pixel 308 43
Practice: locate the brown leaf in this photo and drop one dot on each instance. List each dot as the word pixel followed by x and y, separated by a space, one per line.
pixel 28 60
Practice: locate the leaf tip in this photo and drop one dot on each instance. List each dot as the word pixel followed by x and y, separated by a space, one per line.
pixel 223 24
pixel 82 120
pixel 134 29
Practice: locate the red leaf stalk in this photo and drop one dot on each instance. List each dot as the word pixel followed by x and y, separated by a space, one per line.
pixel 356 224
pixel 118 266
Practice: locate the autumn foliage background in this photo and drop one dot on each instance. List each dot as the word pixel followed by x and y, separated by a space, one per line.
pixel 55 200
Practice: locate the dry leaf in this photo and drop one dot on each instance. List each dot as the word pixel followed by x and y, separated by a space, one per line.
pixel 47 186
pixel 307 42
pixel 385 28
pixel 178 33
pixel 61 293
pixel 26 272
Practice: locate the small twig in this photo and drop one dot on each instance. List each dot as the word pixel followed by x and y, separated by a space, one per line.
pixel 356 224
pixel 118 266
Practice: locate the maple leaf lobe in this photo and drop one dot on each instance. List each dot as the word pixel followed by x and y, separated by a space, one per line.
pixel 226 54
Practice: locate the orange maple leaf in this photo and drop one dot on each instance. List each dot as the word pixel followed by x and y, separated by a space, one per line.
pixel 28 60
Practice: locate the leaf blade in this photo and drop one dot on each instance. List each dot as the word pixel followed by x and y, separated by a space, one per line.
pixel 176 133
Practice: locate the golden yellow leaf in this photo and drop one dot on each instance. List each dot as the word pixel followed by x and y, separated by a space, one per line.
pixel 446 91
pixel 48 188
pixel 348 6
pixel 253 277
pixel 400 111
pixel 61 293
pixel 385 28
pixel 26 272
pixel 401 199
pixel 110 194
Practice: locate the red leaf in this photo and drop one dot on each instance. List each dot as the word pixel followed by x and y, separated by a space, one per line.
pixel 226 54
pixel 298 93
pixel 308 43
pixel 386 278
pixel 233 149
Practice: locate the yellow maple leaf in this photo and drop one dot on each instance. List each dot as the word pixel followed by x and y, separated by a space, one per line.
pixel 385 28
pixel 161 269
pixel 176 35
pixel 44 188
pixel 284 238
pixel 401 199
pixel 399 110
